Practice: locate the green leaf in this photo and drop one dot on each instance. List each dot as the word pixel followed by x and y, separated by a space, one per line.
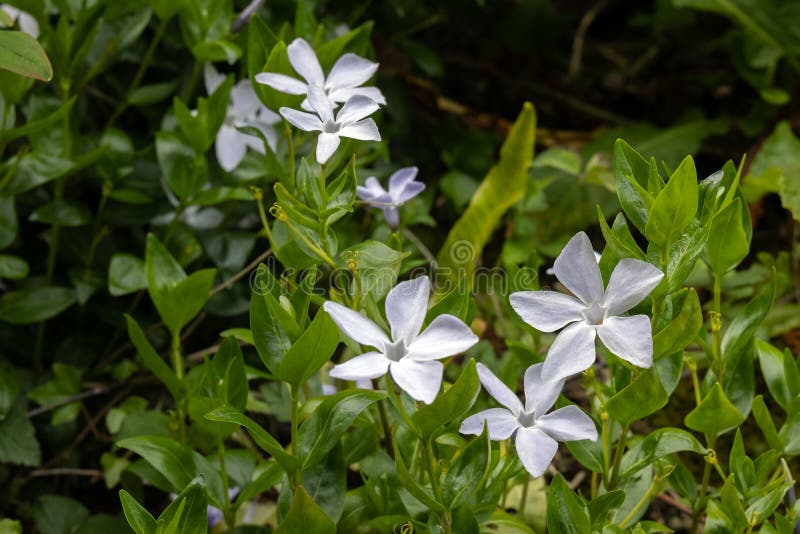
pixel 378 266
pixel 566 512
pixel 502 187
pixel 305 516
pixel 152 360
pixel 10 526
pixel 644 396
pixel 32 305
pixel 314 347
pixel 727 242
pixel 262 438
pixel 270 323
pixel 37 125
pixel 422 494
pixel 780 373
pixel 452 405
pixel 321 431
pixel 62 213
pixel 8 221
pixel 779 157
pixel 184 170
pixel 22 54
pixel 9 388
pixel 715 414
pixel 177 463
pixel 630 171
pixel 126 274
pixel 741 465
pixel 13 267
pixel 18 443
pixel 465 474
pixel 674 207
pixel 601 506
pixel 188 512
pixel 65 383
pixel 764 421
pixel 137 516
pixel 619 239
pixel 657 444
pixel 55 514
pixel 683 328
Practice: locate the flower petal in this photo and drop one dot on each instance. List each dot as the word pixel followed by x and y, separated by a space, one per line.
pixel 355 109
pixel 211 77
pixel 401 177
pixel 244 101
pixel 372 191
pixel 409 191
pixel 571 352
pixel 546 310
pixel 500 421
pixel 305 121
pixel 421 380
pixel 255 142
pixel 569 423
pixel 320 103
pixel 499 390
pixel 536 450
pixel 356 326
pixel 630 338
pixel 406 305
pixel 267 116
pixel 231 146
pixel 392 216
pixel 445 336
pixel 540 394
pixel 373 93
pixel 631 281
pixel 365 130
pixel 362 367
pixel 28 24
pixel 282 83
pixel 305 62
pixel 350 70
pixel 326 145
pixel 577 269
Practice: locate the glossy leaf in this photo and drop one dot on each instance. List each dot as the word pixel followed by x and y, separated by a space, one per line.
pixel 641 398
pixel 674 207
pixel 566 512
pixel 305 516
pixel 22 54
pixel 715 414
pixel 452 405
pixel 314 347
pixel 465 474
pixel 26 306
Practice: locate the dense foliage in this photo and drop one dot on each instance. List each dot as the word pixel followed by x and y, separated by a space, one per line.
pixel 312 267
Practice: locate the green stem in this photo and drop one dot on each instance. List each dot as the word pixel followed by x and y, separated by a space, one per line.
pixel 397 402
pixel 524 499
pixel 618 457
pixel 605 437
pixel 433 473
pixel 137 78
pixel 290 144
pixel 387 431
pixel 701 499
pixel 294 478
pixel 262 215
pixel 716 331
pixel 178 367
pixel 645 498
pixel 187 95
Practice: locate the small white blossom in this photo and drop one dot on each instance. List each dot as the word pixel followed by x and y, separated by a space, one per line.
pixel 26 22
pixel 343 81
pixel 350 121
pixel 595 312
pixel 402 188
pixel 536 432
pixel 409 356
pixel 244 109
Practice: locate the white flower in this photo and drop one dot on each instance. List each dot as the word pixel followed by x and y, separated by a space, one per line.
pixel 409 356
pixel 343 81
pixel 26 22
pixel 350 121
pixel 537 432
pixel 597 257
pixel 402 188
pixel 595 311
pixel 244 109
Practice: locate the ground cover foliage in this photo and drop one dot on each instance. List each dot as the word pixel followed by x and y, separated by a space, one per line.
pixel 399 266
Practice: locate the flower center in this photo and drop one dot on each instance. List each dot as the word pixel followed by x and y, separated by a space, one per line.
pixel 527 419
pixel 330 127
pixel 395 351
pixel 594 314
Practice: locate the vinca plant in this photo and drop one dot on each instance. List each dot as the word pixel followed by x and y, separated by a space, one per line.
pixel 237 295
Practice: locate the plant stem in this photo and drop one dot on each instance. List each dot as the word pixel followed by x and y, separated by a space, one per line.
pixel 137 78
pixel 524 499
pixel 642 502
pixel 290 144
pixel 716 331
pixel 294 478
pixel 618 457
pixel 230 520
pixel 433 473
pixel 605 436
pixel 701 499
pixel 387 431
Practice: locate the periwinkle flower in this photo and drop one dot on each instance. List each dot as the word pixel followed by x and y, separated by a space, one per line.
pixel 536 433
pixel 350 121
pixel 596 312
pixel 25 21
pixel 402 188
pixel 244 109
pixel 343 82
pixel 408 355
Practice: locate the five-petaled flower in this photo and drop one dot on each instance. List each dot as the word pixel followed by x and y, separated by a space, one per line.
pixel 595 311
pixel 349 121
pixel 408 355
pixel 535 431
pixel 244 109
pixel 402 188
pixel 343 81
